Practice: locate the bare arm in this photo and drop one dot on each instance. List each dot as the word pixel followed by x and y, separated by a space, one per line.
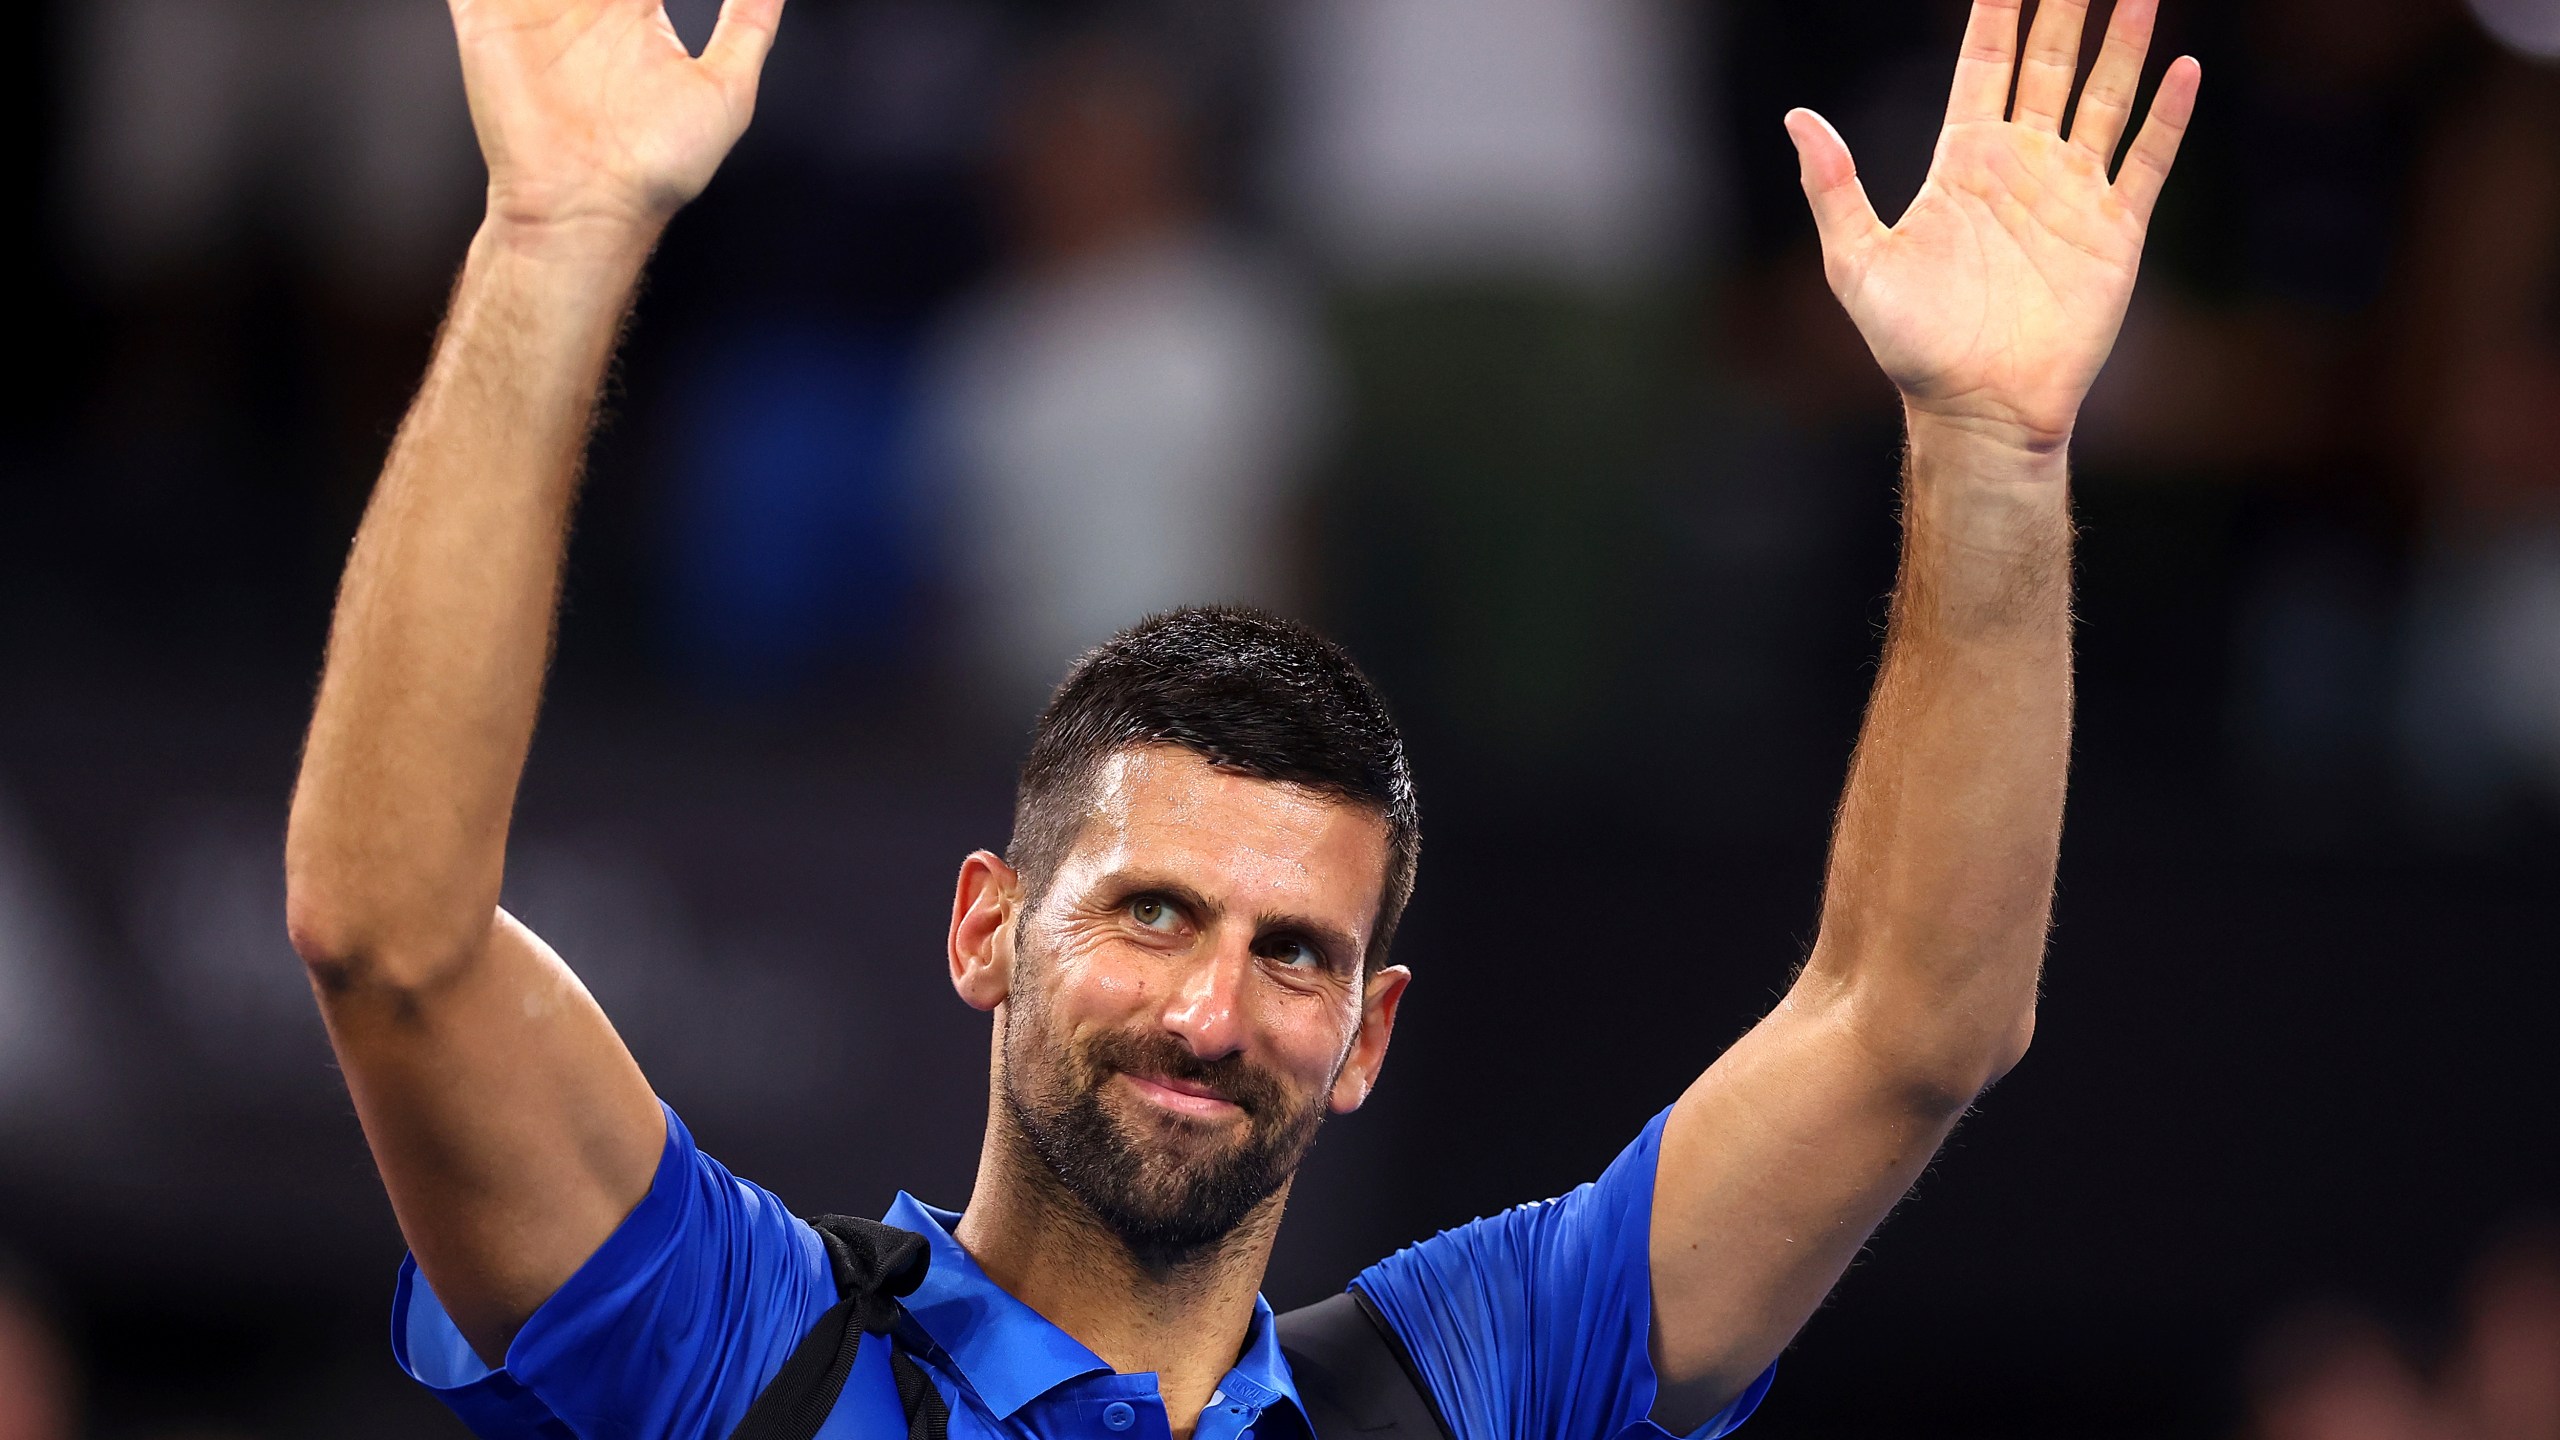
pixel 1991 303
pixel 512 1129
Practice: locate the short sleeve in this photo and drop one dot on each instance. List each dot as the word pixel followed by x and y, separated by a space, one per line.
pixel 1534 1324
pixel 669 1329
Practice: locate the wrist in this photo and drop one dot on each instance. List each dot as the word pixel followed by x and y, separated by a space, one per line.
pixel 581 276
pixel 1974 448
pixel 1986 503
pixel 538 309
pixel 607 248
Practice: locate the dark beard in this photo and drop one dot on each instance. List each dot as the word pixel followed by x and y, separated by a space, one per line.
pixel 1167 1209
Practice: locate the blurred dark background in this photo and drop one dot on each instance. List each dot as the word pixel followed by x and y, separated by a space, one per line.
pixel 1490 334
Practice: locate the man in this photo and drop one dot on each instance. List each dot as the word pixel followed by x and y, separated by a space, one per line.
pixel 1184 948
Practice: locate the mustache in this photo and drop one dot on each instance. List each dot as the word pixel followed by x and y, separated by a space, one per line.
pixel 1155 1055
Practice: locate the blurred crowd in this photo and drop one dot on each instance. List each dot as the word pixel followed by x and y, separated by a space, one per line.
pixel 2362 353
pixel 1483 334
pixel 1488 332
pixel 2335 1372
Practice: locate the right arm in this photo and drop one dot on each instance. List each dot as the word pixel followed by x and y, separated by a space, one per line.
pixel 512 1129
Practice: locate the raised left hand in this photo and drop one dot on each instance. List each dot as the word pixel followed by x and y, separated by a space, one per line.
pixel 1995 298
pixel 592 111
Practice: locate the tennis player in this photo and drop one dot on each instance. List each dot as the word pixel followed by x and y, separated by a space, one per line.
pixel 1184 948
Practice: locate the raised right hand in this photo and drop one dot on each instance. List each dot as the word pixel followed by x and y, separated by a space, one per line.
pixel 591 111
pixel 1995 298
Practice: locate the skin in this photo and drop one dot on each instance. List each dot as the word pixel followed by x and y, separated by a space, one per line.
pixel 1991 304
pixel 1232 914
pixel 513 1130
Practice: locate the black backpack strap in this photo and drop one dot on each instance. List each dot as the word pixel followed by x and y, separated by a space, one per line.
pixel 1352 1372
pixel 928 1418
pixel 1354 1375
pixel 874 1264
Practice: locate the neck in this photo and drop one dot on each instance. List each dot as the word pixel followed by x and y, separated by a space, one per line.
pixel 1186 1321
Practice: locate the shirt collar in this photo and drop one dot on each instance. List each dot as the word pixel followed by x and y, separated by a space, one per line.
pixel 1261 1374
pixel 1011 1355
pixel 1008 1352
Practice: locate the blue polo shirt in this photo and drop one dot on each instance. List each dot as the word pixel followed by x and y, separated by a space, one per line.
pixel 1527 1325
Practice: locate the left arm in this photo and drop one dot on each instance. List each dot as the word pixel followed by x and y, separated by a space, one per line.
pixel 1991 304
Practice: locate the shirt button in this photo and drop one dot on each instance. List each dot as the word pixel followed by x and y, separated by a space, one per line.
pixel 1118 1416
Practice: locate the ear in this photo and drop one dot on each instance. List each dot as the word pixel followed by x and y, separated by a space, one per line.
pixel 981 943
pixel 1385 991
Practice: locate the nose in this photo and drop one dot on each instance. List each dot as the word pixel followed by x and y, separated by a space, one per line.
pixel 1208 1005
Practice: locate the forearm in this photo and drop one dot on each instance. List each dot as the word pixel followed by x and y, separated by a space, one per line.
pixel 443 628
pixel 1941 879
pixel 1991 304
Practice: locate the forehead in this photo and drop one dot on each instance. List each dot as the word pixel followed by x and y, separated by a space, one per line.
pixel 1165 811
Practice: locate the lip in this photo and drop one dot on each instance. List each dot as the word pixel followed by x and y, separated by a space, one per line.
pixel 1182 1097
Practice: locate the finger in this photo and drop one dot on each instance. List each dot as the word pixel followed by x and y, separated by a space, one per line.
pixel 1982 67
pixel 740 39
pixel 1841 213
pixel 2052 58
pixel 2146 167
pixel 2106 102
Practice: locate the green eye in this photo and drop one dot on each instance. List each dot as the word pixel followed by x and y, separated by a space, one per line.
pixel 1153 913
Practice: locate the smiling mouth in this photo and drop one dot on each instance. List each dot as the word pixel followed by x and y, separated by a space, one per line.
pixel 1182 1097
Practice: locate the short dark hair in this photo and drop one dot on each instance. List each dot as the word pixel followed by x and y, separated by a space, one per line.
pixel 1244 690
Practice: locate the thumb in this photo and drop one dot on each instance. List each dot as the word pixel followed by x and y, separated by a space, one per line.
pixel 1840 209
pixel 739 41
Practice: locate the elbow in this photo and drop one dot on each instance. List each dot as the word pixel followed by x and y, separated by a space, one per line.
pixel 320 920
pixel 323 935
pixel 2012 1046
pixel 1936 1034
pixel 363 920
pixel 1971 1062
pixel 348 946
pixel 332 937
pixel 1938 1069
pixel 323 919
pixel 2016 1041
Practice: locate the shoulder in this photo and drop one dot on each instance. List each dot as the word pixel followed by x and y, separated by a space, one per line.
pixel 1596 1223
pixel 671 1327
pixel 1533 1321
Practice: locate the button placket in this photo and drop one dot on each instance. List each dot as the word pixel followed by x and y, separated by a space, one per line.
pixel 1226 1419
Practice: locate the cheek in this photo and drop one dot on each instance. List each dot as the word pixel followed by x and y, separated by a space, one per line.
pixel 1093 984
pixel 1309 1039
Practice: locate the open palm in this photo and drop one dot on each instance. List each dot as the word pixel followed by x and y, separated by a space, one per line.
pixel 593 109
pixel 1996 297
